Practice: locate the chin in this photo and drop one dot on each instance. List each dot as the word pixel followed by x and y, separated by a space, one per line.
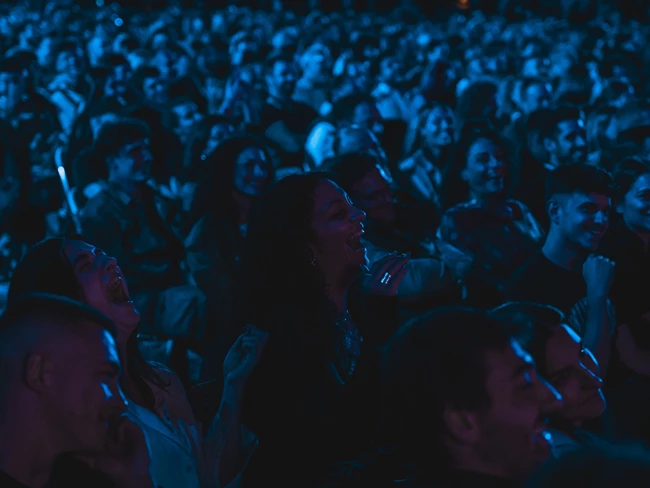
pixel 595 407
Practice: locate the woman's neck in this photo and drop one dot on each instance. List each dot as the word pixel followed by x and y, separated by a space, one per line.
pixel 244 204
pixel 642 234
pixel 126 383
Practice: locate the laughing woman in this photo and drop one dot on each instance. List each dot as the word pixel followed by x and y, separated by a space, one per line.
pixel 181 457
pixel 312 400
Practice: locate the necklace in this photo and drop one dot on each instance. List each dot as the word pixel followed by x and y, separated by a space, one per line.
pixel 348 347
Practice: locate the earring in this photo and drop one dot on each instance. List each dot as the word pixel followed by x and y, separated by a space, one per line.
pixel 312 258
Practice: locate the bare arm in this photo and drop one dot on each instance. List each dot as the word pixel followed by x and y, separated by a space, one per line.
pixel 279 133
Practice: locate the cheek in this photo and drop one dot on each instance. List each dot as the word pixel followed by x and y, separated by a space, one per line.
pixel 92 293
pixel 331 237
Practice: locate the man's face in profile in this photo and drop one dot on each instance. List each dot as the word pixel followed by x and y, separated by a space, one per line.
pixel 511 434
pixel 84 399
pixel 583 218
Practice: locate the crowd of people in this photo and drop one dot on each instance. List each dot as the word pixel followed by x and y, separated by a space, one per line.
pixel 362 248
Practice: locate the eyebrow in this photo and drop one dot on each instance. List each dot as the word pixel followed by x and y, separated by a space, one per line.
pixel 330 204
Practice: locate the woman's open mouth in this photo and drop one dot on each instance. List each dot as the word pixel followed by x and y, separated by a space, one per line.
pixel 354 242
pixel 117 293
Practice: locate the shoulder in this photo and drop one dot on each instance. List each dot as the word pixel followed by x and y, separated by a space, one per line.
pixel 172 393
pixel 98 204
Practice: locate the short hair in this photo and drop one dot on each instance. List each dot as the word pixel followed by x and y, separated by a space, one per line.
pixel 549 124
pixel 274 58
pixel 579 178
pixel 115 135
pixel 52 307
pixel 532 324
pixel 435 360
pixel 348 169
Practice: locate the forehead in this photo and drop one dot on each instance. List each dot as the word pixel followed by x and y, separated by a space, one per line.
pixel 503 365
pixel 483 145
pixel 372 180
pixel 642 183
pixel 440 112
pixel 89 343
pixel 75 247
pixel 578 198
pixel 325 193
pixel 185 107
pixel 322 129
pixel 570 125
pixel 251 153
pixel 318 48
pixel 538 87
pixel 282 67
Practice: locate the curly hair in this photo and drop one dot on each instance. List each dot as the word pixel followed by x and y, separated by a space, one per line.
pixel 280 288
pixel 454 190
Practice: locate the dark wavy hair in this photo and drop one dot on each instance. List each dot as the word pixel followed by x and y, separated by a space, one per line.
pixel 46 269
pixel 454 190
pixel 280 289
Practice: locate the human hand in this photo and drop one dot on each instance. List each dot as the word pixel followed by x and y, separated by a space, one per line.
pixel 598 273
pixel 182 192
pixel 244 355
pixel 457 261
pixel 386 274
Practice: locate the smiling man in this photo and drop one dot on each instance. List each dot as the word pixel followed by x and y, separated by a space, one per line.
pixel 473 410
pixel 566 273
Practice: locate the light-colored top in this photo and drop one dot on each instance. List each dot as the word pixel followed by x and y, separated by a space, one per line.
pixel 171 448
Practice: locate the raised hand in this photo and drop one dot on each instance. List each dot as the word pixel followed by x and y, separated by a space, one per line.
pixel 244 355
pixel 598 272
pixel 386 274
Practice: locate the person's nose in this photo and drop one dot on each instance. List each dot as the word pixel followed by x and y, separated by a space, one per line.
pixel 259 170
pixel 589 378
pixel 357 214
pixel 550 399
pixel 110 263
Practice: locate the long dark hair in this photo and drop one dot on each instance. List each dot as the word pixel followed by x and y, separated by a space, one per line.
pixel 454 190
pixel 46 269
pixel 214 192
pixel 280 287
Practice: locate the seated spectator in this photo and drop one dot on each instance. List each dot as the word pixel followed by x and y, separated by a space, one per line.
pixel 471 410
pixel 60 395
